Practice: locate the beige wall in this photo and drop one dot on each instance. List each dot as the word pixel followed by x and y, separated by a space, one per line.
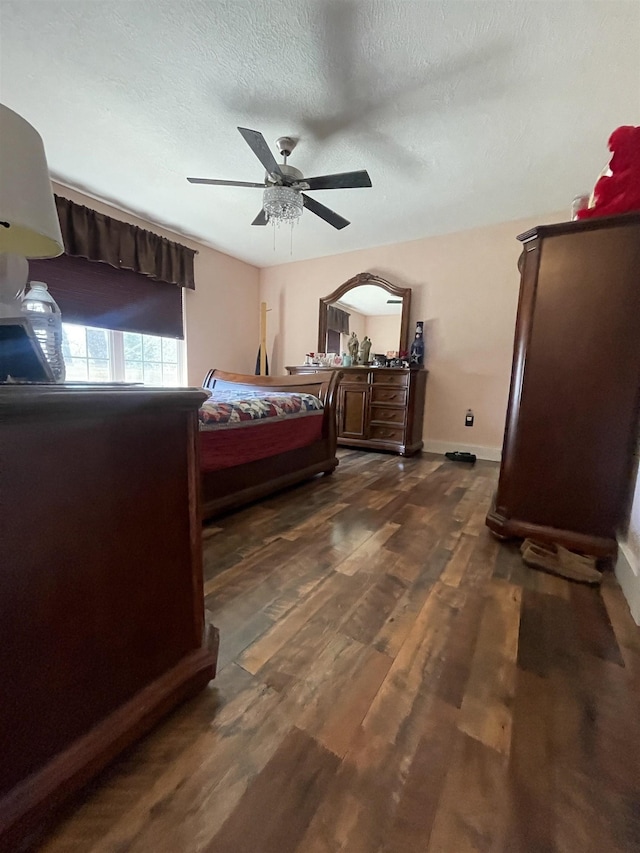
pixel 384 332
pixel 633 535
pixel 628 565
pixel 465 288
pixel 221 314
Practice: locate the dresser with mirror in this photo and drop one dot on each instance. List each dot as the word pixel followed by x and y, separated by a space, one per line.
pixel 379 407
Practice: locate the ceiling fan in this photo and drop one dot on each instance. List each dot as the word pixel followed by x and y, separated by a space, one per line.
pixel 283 185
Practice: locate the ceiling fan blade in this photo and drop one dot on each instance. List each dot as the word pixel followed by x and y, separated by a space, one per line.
pixel 257 143
pixel 325 213
pixel 341 181
pixel 224 183
pixel 261 218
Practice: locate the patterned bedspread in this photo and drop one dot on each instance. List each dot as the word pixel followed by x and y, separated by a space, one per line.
pixel 244 408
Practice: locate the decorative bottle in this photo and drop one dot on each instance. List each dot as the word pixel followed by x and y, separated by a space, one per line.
pixel 416 356
pixel 46 321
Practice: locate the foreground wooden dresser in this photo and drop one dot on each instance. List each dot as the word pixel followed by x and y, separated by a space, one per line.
pixel 572 421
pixel 101 600
pixel 379 408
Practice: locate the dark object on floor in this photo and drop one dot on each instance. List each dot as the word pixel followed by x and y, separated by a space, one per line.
pixel 461 456
pixel 559 561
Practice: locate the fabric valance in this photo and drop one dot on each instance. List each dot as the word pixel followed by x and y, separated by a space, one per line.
pixel 97 237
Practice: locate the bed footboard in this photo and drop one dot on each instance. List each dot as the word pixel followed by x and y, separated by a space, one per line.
pixel 234 487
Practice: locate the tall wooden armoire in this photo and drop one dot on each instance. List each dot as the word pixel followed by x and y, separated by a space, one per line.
pixel 572 421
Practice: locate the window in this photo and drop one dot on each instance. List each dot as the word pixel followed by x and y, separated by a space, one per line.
pixel 150 359
pixel 87 353
pixel 333 341
pixel 103 355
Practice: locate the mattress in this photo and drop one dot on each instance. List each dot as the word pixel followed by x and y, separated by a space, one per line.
pixel 244 428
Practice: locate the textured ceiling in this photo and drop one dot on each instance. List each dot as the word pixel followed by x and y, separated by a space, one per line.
pixel 464 113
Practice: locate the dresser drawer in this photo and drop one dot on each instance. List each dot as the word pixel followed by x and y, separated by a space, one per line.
pixel 355 377
pixel 397 396
pixel 386 433
pixel 387 415
pixel 386 377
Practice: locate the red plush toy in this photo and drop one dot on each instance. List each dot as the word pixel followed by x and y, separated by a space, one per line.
pixel 618 189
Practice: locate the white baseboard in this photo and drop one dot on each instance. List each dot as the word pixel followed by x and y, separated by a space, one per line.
pixel 628 575
pixel 493 454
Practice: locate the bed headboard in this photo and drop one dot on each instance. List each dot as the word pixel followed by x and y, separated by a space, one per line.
pixel 322 385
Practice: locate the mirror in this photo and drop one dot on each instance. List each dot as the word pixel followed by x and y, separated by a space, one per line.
pixel 369 306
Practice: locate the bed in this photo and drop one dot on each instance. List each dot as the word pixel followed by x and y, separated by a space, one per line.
pixel 259 434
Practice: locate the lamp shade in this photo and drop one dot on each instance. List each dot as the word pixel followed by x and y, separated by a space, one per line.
pixel 28 220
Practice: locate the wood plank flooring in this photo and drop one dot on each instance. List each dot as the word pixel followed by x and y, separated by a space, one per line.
pixel 392 680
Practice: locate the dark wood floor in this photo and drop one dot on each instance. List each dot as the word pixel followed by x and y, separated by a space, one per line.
pixel 392 679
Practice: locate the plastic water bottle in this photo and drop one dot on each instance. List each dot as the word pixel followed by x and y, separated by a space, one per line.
pixel 46 322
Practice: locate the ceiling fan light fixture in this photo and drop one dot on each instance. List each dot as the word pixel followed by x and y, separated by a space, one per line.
pixel 282 204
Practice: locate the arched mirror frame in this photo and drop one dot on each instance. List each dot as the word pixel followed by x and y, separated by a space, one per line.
pixel 403 293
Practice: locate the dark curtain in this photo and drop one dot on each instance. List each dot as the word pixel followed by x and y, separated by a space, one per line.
pixel 98 295
pixel 97 237
pixel 338 320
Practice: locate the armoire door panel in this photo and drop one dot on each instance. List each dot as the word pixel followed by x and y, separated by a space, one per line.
pixel 573 407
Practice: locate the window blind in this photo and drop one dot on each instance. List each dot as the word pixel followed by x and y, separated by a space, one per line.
pixel 97 294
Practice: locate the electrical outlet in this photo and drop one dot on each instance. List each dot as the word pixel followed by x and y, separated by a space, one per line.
pixel 468 418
